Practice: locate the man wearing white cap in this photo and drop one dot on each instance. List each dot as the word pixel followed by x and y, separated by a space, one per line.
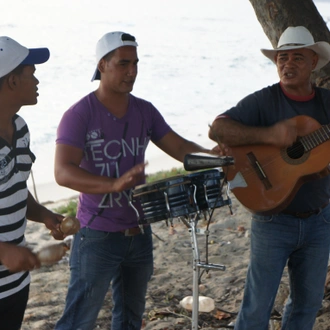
pixel 18 87
pixel 298 233
pixel 100 152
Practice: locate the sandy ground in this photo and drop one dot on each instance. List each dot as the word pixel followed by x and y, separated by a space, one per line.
pixel 228 245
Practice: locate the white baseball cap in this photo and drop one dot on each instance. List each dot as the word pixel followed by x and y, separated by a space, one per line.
pixel 299 37
pixel 13 54
pixel 109 42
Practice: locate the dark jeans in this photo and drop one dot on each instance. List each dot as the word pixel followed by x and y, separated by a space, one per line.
pixel 98 258
pixel 12 309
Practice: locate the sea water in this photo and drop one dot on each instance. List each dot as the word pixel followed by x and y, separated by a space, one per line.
pixel 197 59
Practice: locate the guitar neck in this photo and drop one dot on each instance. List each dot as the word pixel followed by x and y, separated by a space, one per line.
pixel 315 138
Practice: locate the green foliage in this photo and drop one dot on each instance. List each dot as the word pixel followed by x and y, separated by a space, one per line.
pixel 70 208
pixel 165 174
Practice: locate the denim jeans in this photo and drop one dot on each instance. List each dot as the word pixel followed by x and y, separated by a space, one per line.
pixel 98 258
pixel 301 244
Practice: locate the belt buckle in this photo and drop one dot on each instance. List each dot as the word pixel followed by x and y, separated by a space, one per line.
pixel 304 215
pixel 132 231
pixel 307 214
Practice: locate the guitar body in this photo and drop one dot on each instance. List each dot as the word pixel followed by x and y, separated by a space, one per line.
pixel 265 178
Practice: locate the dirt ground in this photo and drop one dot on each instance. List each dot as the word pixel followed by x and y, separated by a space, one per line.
pixel 227 244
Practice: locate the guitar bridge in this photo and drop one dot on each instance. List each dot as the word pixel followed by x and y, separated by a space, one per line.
pixel 258 170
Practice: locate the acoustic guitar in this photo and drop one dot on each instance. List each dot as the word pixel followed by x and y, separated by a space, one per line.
pixel 265 178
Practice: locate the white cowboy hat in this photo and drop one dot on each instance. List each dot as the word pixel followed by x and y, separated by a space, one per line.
pixel 299 37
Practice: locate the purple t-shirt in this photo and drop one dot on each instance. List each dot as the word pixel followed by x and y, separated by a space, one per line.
pixel 111 147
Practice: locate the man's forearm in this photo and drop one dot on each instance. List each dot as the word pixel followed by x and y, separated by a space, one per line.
pixel 34 209
pixel 233 133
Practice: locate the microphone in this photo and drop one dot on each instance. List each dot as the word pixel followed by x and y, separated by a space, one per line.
pixel 199 160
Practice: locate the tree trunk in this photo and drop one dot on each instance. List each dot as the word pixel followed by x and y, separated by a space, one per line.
pixel 275 16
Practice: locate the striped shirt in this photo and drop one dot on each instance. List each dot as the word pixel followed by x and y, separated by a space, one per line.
pixel 15 166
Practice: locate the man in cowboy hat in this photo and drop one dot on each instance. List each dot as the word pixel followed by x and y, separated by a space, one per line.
pixel 298 235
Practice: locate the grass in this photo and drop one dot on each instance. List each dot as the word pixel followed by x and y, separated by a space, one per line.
pixel 165 174
pixel 70 208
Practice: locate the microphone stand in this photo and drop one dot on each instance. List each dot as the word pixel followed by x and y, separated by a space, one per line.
pixel 197 264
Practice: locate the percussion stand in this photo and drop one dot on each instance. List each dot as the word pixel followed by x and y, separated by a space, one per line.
pixel 197 265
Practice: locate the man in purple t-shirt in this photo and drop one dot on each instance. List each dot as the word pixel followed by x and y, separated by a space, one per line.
pixel 100 152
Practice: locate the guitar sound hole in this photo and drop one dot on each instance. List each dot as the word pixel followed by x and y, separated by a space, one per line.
pixel 295 151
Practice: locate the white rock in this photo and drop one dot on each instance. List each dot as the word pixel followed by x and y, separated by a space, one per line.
pixel 205 304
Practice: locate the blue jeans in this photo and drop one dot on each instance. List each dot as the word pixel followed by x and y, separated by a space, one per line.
pixel 301 244
pixel 98 258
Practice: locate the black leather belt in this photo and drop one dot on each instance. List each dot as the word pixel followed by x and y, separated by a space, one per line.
pixel 307 214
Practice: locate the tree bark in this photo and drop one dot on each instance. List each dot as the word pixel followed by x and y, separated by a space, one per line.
pixel 275 16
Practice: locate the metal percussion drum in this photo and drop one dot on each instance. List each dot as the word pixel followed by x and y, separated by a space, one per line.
pixel 164 199
pixel 207 187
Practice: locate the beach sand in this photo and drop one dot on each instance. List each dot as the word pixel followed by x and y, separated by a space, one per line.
pixel 228 245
